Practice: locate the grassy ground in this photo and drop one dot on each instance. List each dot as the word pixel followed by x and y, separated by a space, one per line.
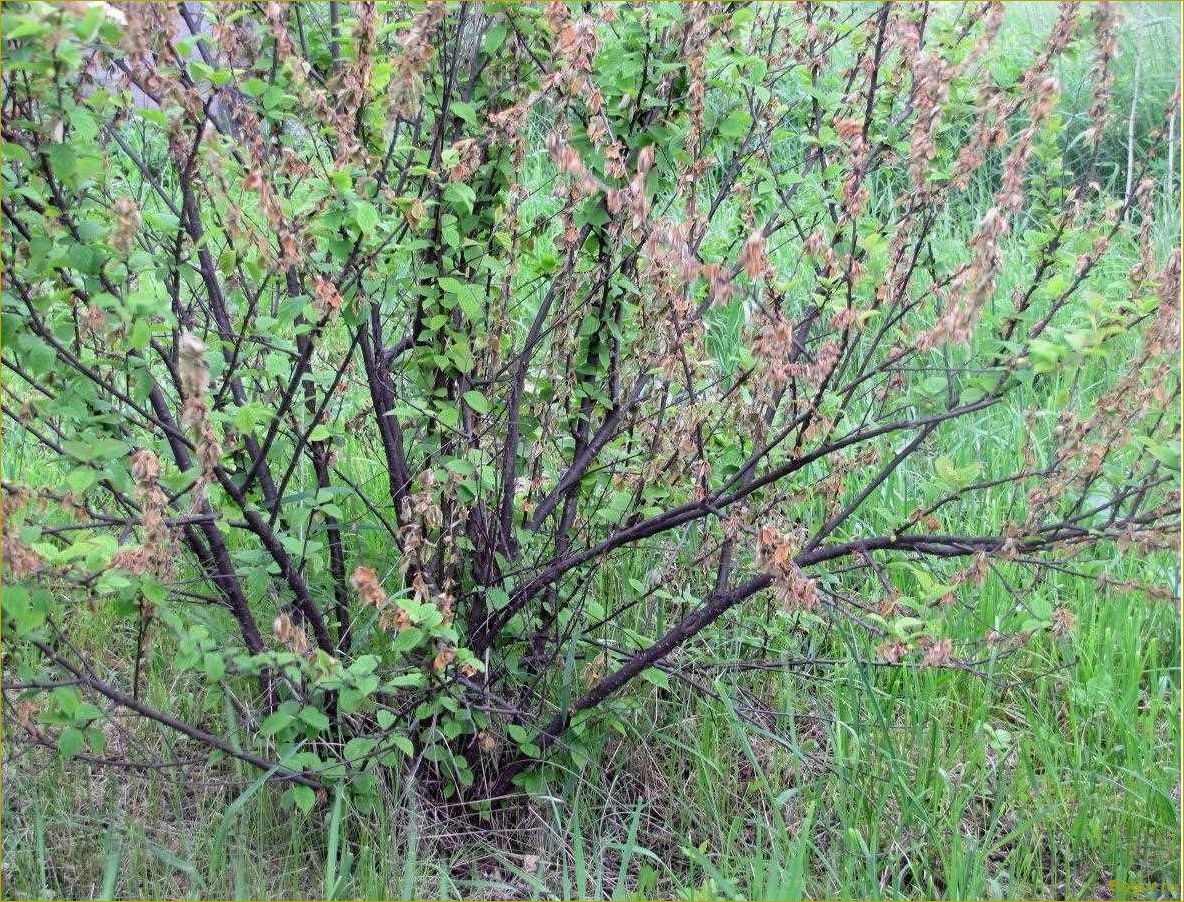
pixel 1049 773
pixel 1050 777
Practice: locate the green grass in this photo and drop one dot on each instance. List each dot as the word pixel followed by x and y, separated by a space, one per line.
pixel 1046 777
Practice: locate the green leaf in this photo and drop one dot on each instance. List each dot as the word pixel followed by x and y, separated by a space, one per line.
pixel 359 747
pixel 276 365
pixel 477 401
pixel 81 479
pixel 314 718
pixel 464 111
pixel 366 216
pixel 367 685
pixel 408 639
pixel 934 385
pixel 518 733
pixel 460 466
pixel 275 723
pixel 657 677
pixel 349 700
pixel 460 196
pixel 20 609
pixel 403 744
pixel 141 333
pixel 363 665
pixel 247 417
pixel 494 38
pixel 214 666
pixel 736 124
pixel 70 742
pixel 303 797
pixel 26 27
pixel 905 626
pixel 86 712
pixel 470 300
pixel 156 117
pixel 67 699
pixel 110 449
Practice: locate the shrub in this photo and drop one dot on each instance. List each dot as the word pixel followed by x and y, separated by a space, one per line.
pixel 386 359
